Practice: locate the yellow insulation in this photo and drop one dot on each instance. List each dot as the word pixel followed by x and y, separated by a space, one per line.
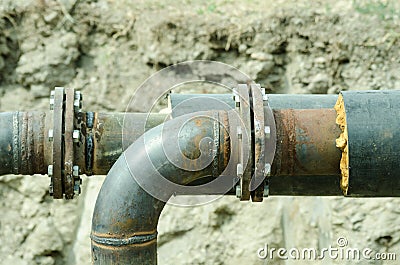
pixel 341 143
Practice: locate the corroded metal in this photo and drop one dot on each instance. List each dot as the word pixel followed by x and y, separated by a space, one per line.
pixel 56 185
pixel 306 157
pixel 68 178
pixel 125 218
pixel 245 150
pixel 258 125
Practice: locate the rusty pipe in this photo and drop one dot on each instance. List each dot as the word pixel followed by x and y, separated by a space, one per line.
pixel 106 135
pixel 306 158
pixel 124 224
pixel 25 149
pixel 22 145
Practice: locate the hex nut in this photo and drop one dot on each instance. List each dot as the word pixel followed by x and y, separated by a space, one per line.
pixel 266 190
pixel 239 170
pixel 50 135
pixel 76 136
pixel 267 131
pixel 75 171
pixel 51 103
pixel 50 170
pixel 267 169
pixel 238 191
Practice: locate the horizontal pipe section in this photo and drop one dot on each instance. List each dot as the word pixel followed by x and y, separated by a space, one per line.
pixel 22 143
pixel 114 132
pixel 305 164
pixel 373 126
pixel 306 160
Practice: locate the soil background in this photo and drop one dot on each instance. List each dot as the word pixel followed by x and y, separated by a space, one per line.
pixel 107 48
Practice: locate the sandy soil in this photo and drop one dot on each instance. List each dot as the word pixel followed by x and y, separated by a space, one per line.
pixel 107 48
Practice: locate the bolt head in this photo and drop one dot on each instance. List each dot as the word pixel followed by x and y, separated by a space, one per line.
pixel 239 132
pixel 75 171
pixel 51 103
pixel 239 170
pixel 267 169
pixel 50 135
pixel 267 131
pixel 51 191
pixel 76 136
pixel 266 191
pixel 238 191
pixel 78 95
pixel 77 190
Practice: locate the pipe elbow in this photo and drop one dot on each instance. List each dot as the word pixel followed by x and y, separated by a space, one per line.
pixel 157 165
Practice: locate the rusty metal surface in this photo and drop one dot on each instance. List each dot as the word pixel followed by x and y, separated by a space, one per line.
pixel 306 142
pixel 126 216
pixel 68 143
pixel 57 182
pixel 114 132
pixel 306 147
pixel 257 181
pixel 31 146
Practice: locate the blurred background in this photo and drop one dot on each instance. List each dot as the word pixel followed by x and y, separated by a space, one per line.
pixel 107 48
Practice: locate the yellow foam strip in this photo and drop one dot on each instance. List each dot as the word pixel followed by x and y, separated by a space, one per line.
pixel 341 143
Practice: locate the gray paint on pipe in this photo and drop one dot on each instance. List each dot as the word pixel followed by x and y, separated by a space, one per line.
pixel 186 103
pixel 373 125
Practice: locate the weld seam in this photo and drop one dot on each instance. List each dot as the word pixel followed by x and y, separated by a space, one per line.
pixel 110 241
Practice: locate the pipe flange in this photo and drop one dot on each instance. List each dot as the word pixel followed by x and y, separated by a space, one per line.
pixel 56 134
pixel 244 166
pixel 259 131
pixel 65 180
pixel 270 141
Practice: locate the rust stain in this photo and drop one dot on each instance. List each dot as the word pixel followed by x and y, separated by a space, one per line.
pixel 198 122
pixel 226 147
pixel 286 137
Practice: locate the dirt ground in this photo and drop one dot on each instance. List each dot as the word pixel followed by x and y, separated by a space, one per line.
pixel 107 48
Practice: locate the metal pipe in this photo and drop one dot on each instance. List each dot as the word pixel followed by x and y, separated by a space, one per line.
pixel 25 137
pixel 186 103
pixel 104 136
pixel 22 143
pixel 131 199
pixel 110 134
pixel 306 158
pixel 125 218
pixel 372 121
